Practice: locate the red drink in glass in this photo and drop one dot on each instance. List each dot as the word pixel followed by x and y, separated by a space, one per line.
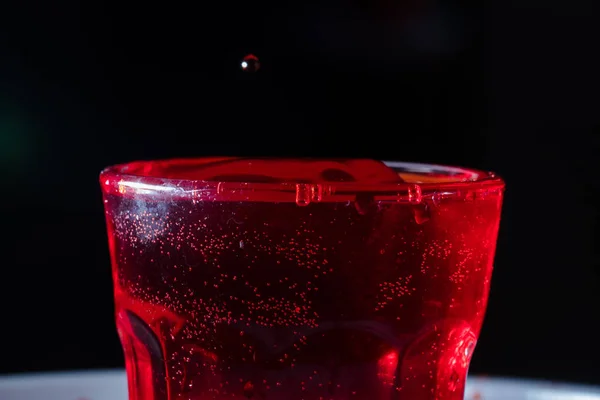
pixel 299 279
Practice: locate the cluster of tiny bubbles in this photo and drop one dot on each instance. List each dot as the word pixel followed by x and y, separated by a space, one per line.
pixel 436 251
pixel 389 291
pixel 143 226
pixel 467 260
pixel 195 319
pixel 303 254
pixel 457 252
pixel 466 257
pixel 250 63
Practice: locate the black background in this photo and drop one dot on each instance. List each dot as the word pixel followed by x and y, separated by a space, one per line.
pixel 481 84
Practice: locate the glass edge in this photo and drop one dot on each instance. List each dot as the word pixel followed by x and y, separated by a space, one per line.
pixel 112 180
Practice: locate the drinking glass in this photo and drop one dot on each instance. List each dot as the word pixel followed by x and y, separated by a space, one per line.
pixel 290 279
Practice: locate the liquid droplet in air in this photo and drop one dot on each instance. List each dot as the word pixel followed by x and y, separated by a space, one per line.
pixel 250 63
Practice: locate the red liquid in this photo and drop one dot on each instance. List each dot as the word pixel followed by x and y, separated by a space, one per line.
pixel 363 299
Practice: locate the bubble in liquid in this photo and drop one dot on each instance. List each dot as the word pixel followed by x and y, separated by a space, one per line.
pixel 250 63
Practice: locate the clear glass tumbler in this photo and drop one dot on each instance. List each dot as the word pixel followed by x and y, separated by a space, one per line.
pixel 291 279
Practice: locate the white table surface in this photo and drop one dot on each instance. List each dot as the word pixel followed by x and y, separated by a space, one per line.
pixel 111 385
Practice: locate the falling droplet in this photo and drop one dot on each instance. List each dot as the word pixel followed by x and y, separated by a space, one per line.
pixel 250 63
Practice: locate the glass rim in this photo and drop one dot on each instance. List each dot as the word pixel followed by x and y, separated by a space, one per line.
pixel 135 178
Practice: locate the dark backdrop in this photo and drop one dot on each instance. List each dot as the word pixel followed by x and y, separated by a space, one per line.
pixel 480 84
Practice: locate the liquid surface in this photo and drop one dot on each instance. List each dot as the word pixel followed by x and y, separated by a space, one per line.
pixel 256 170
pixel 273 300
